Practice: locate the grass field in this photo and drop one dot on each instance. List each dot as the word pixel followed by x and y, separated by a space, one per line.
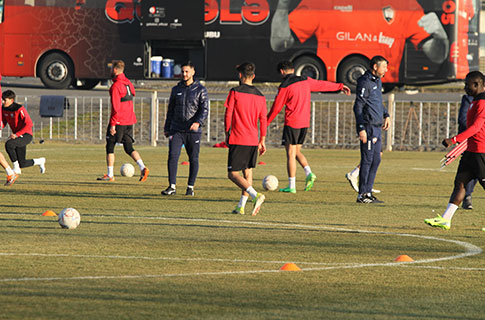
pixel 138 255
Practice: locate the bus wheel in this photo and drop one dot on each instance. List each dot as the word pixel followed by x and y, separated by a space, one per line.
pixel 350 70
pixel 85 84
pixel 310 67
pixel 56 71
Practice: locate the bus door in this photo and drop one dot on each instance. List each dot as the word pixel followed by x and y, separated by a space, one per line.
pixel 173 33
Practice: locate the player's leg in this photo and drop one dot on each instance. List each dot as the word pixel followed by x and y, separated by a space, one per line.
pixel 10 147
pixel 174 147
pixel 367 157
pixel 21 151
pixel 11 175
pixel 110 156
pixel 376 148
pixel 127 141
pixel 469 187
pixel 192 147
pixel 290 168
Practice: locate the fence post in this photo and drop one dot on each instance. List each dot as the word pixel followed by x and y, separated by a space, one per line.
pixel 50 128
pixel 153 119
pixel 390 107
pixel 100 118
pixel 313 122
pixel 336 121
pixel 75 118
pixel 448 109
pixel 209 122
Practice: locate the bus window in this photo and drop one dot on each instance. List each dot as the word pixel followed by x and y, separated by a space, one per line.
pixel 1 11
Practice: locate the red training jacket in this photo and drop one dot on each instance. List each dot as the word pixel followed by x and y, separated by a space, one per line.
pixel 17 118
pixel 122 93
pixel 245 105
pixel 295 93
pixel 475 122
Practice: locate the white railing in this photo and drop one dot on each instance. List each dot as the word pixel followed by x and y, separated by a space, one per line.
pixel 415 125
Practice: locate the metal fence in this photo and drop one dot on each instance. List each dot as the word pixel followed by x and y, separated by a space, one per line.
pixel 415 125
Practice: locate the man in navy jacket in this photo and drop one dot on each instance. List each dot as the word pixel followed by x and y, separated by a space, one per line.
pixel 187 112
pixel 370 117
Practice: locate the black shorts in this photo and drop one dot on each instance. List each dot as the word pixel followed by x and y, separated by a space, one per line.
pixel 241 157
pixel 293 136
pixel 472 165
pixel 123 134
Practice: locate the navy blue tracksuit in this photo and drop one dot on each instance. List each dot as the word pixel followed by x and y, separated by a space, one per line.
pixel 369 115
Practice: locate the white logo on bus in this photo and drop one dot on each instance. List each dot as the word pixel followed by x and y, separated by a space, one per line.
pixel 365 37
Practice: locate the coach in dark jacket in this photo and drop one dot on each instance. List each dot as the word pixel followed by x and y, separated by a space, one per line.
pixel 466 101
pixel 187 112
pixel 370 116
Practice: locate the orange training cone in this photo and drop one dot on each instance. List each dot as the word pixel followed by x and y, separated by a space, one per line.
pixel 49 213
pixel 261 162
pixel 184 163
pixel 404 258
pixel 290 267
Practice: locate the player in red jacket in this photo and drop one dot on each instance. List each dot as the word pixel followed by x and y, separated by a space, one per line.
pixel 295 93
pixel 245 107
pixel 472 163
pixel 21 125
pixel 120 128
pixel 11 175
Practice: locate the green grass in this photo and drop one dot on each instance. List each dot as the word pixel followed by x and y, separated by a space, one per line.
pixel 138 255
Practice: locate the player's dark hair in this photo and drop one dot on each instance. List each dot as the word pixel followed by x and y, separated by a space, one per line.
pixel 476 76
pixel 188 64
pixel 285 65
pixel 246 69
pixel 376 60
pixel 8 94
pixel 119 64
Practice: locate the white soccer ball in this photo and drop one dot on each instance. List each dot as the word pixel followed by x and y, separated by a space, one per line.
pixel 127 170
pixel 69 218
pixel 270 183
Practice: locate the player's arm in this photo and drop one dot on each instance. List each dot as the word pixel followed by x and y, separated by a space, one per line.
pixel 202 111
pixel 263 127
pixel 229 104
pixel 278 104
pixel 26 122
pixel 169 116
pixel 281 37
pixel 327 86
pixel 475 127
pixel 386 117
pixel 361 96
pixel 115 105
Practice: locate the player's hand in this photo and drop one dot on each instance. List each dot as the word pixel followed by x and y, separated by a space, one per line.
pixel 346 90
pixel 195 126
pixel 262 148
pixel 112 130
pixel 447 142
pixel 13 136
pixel 387 123
pixel 432 25
pixel 363 136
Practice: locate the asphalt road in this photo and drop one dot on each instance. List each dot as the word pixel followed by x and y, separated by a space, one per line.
pixel 33 87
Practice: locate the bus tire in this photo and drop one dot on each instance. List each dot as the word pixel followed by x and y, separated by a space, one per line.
pixel 350 70
pixel 86 84
pixel 310 67
pixel 56 71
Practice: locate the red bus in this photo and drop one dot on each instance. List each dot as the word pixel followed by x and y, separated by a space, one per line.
pixel 72 42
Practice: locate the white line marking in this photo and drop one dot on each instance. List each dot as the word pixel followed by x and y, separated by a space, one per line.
pixel 470 250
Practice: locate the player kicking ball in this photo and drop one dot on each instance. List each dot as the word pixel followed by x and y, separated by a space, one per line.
pixel 16 116
pixel 245 106
pixel 472 163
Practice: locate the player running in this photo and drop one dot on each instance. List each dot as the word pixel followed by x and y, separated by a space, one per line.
pixel 245 106
pixel 21 125
pixel 472 163
pixel 295 93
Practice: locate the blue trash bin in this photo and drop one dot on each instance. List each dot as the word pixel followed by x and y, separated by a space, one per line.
pixel 156 65
pixel 167 68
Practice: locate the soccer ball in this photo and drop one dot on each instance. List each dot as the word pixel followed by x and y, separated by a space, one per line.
pixel 127 170
pixel 270 183
pixel 69 218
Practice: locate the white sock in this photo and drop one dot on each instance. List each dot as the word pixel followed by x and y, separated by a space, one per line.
pixel 242 201
pixel 355 172
pixel 191 187
pixel 140 164
pixel 450 211
pixel 292 182
pixel 307 170
pixel 110 171
pixel 38 161
pixel 16 166
pixel 173 186
pixel 9 171
pixel 251 192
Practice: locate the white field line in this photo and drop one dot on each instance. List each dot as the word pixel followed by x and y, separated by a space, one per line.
pixel 470 250
pixel 429 169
